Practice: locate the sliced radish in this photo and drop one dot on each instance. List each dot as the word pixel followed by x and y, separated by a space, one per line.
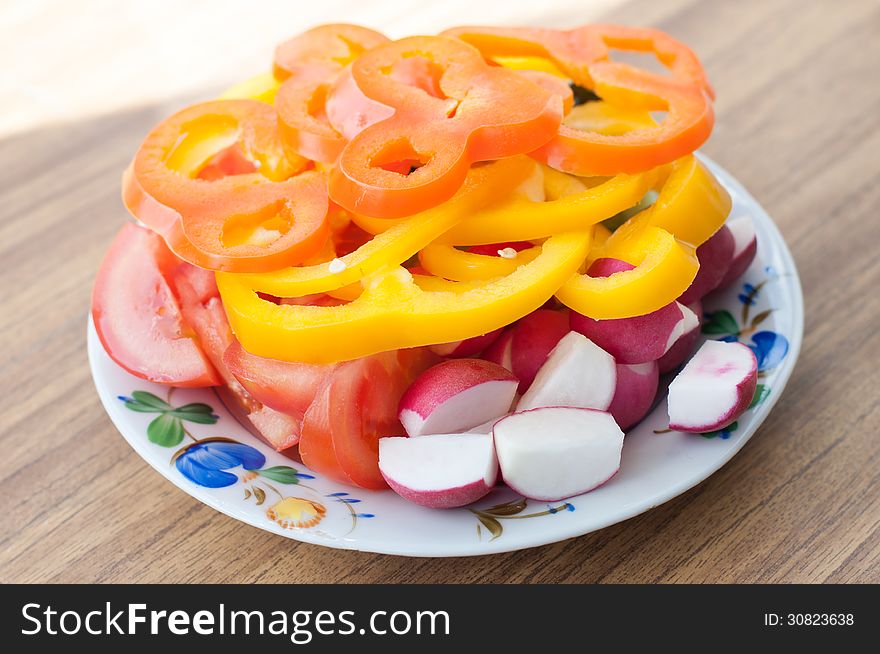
pixel 630 340
pixel 683 339
pixel 455 396
pixel 534 337
pixel 714 388
pixel 501 351
pixel 635 392
pixel 715 257
pixel 578 373
pixel 745 247
pixel 552 453
pixel 440 471
pixel 469 347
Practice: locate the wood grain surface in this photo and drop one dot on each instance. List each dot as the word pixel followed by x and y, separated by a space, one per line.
pixel 797 123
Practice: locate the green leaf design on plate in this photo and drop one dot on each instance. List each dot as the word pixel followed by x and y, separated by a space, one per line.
pixel 281 474
pixel 721 322
pixel 196 407
pixel 194 416
pixel 761 393
pixel 150 400
pixel 166 430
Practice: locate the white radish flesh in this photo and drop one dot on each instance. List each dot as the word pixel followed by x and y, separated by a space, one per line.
pixel 439 471
pixel 552 453
pixel 455 396
pixel 745 247
pixel 578 373
pixel 714 388
pixel 685 337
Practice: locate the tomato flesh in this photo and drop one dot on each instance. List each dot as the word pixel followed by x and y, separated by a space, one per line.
pixel 138 317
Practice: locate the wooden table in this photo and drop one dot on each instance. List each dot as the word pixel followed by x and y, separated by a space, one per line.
pixel 797 122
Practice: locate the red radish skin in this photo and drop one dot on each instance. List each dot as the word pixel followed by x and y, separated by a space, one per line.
pixel 469 347
pixel 745 247
pixel 534 337
pixel 578 373
pixel 683 346
pixel 639 339
pixel 440 471
pixel 715 388
pixel 501 351
pixel 455 396
pixel 635 392
pixel 552 453
pixel 715 257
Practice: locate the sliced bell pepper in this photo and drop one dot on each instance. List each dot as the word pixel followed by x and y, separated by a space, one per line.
pixel 308 65
pixel 464 111
pixel 250 222
pixel 259 87
pixel 691 204
pixel 516 218
pixel 397 244
pixel 665 267
pixel 393 312
pixel 461 266
pixel 583 54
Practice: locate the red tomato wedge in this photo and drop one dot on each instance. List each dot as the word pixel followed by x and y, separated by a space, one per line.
pixel 355 407
pixel 203 310
pixel 284 386
pixel 138 317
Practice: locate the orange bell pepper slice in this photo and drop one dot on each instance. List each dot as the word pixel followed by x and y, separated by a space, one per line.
pixel 461 111
pixel 249 222
pixel 308 64
pixel 583 55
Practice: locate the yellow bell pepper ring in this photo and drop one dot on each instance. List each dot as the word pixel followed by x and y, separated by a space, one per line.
pixel 393 312
pixel 665 267
pixel 520 219
pixel 398 243
pixel 691 204
pixel 461 266
pixel 259 87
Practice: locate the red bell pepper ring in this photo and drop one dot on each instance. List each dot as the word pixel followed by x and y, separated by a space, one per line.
pixel 457 111
pixel 310 63
pixel 583 54
pixel 252 222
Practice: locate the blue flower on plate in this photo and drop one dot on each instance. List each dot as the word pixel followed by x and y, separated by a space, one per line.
pixel 205 463
pixel 770 349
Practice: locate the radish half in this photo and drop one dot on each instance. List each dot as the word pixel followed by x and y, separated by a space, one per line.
pixel 532 340
pixel 638 339
pixel 683 339
pixel 552 453
pixel 501 351
pixel 714 388
pixel 469 347
pixel 578 373
pixel 745 247
pixel 455 396
pixel 634 394
pixel 440 471
pixel 715 256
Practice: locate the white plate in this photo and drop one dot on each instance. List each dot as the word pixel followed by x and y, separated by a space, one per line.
pixel 280 495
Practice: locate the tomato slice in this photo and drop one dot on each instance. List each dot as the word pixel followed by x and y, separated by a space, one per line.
pixel 138 318
pixel 285 386
pixel 202 309
pixel 356 407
